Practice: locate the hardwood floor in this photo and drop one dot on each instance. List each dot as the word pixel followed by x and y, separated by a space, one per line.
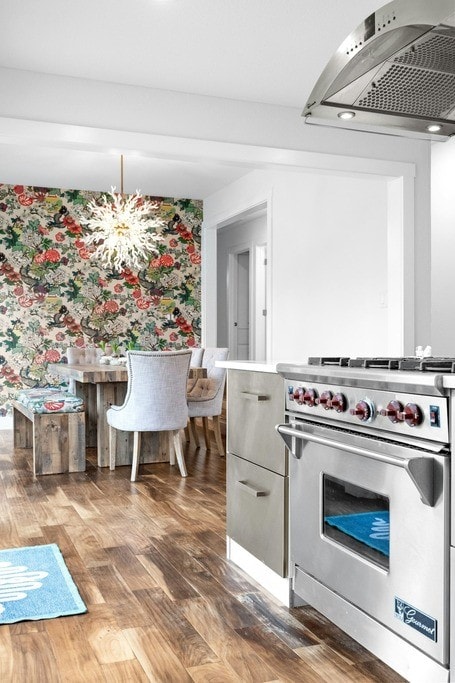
pixel 163 603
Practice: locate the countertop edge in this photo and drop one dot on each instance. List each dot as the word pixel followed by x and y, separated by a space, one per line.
pixel 250 365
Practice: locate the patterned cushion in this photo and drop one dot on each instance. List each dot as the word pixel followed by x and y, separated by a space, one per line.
pixel 50 400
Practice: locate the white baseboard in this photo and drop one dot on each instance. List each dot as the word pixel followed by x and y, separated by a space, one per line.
pixel 276 585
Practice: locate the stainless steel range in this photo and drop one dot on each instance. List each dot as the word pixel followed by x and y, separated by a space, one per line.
pixel 370 502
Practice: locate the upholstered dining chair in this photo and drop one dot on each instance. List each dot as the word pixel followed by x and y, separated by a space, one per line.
pixel 155 401
pixel 196 362
pixel 197 353
pixel 205 398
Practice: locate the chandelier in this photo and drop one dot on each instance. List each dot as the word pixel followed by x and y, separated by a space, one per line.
pixel 122 228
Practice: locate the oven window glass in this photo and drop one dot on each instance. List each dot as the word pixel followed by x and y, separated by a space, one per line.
pixel 357 518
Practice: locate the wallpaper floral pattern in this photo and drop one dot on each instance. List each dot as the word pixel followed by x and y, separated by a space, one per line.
pixel 52 295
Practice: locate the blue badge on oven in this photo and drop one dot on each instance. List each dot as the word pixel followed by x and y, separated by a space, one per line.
pixel 416 619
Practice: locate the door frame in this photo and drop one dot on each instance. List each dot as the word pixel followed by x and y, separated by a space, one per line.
pixel 261 300
pixel 209 270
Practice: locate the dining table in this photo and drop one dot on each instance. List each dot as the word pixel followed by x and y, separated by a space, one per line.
pixel 102 386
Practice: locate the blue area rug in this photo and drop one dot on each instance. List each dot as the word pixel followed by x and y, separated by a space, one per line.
pixel 36 584
pixel 371 528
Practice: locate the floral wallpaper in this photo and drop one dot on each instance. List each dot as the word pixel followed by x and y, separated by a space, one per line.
pixel 53 295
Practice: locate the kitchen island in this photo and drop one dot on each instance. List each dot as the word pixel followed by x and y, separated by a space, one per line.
pixel 257 475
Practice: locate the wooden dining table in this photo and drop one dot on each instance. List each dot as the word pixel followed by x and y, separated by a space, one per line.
pixel 102 386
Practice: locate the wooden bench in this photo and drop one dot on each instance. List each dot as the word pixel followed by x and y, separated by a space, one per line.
pixel 57 439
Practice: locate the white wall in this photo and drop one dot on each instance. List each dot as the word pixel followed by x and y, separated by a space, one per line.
pixel 443 248
pixel 329 260
pixel 328 257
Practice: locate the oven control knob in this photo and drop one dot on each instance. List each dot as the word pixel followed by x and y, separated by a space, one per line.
pixel 309 397
pixel 325 400
pixel 339 403
pixel 411 414
pixel 364 410
pixel 392 411
pixel 298 395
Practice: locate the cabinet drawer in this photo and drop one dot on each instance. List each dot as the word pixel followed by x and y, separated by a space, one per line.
pixel 256 512
pixel 255 406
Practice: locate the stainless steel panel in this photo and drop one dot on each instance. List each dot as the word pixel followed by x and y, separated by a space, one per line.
pixel 452 492
pixel 429 383
pixel 378 399
pixel 257 512
pixel 255 406
pixel 452 614
pixel 419 536
pixel 403 657
pixel 419 469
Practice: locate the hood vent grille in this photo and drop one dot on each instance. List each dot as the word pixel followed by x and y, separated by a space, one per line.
pixel 404 90
pixel 436 53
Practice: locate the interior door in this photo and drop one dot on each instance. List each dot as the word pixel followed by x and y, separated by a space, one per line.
pixel 242 307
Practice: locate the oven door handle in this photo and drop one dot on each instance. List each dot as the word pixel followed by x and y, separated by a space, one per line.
pixel 419 469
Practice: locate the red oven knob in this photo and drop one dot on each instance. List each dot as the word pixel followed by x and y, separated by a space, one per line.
pixel 339 403
pixel 325 400
pixel 309 398
pixel 392 411
pixel 298 395
pixel 364 410
pixel 412 415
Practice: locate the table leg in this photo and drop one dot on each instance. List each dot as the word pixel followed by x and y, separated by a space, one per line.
pixel 153 444
pixel 88 393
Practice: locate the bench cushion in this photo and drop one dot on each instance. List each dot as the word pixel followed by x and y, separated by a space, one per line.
pixel 50 400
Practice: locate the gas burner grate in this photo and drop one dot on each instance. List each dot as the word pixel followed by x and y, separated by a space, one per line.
pixel 410 363
pixel 428 364
pixel 385 363
pixel 341 361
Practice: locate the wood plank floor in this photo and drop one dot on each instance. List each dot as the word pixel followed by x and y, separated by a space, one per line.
pixel 163 602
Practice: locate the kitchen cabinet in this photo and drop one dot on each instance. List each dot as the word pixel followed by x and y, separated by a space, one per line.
pixel 257 467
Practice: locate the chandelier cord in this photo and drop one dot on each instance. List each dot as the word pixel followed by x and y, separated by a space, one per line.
pixel 121 174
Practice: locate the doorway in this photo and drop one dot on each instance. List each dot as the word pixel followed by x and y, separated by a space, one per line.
pixel 241 285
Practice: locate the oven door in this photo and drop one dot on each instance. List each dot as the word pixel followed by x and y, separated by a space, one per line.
pixel 369 520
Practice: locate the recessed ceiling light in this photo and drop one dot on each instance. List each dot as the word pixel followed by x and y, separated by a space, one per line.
pixel 346 115
pixel 434 128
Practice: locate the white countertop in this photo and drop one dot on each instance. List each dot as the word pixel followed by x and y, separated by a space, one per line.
pixel 251 365
pixel 448 381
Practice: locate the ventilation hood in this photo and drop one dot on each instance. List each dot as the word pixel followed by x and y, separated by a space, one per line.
pixel 394 74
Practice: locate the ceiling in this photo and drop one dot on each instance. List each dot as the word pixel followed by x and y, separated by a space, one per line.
pixel 264 51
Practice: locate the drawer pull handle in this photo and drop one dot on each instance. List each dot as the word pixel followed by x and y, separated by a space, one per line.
pixel 253 397
pixel 251 489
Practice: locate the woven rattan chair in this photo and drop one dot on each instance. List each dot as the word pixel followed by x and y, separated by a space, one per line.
pixel 205 399
pixel 155 402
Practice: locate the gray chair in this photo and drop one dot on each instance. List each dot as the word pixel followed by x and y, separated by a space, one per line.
pixel 155 402
pixel 205 399
pixel 196 356
pixel 196 362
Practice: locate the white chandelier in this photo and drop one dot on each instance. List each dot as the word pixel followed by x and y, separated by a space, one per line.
pixel 121 228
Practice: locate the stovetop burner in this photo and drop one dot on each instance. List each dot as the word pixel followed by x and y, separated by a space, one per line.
pixel 329 360
pixel 430 364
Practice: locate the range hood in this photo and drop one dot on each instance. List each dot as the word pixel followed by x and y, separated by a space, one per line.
pixel 394 74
